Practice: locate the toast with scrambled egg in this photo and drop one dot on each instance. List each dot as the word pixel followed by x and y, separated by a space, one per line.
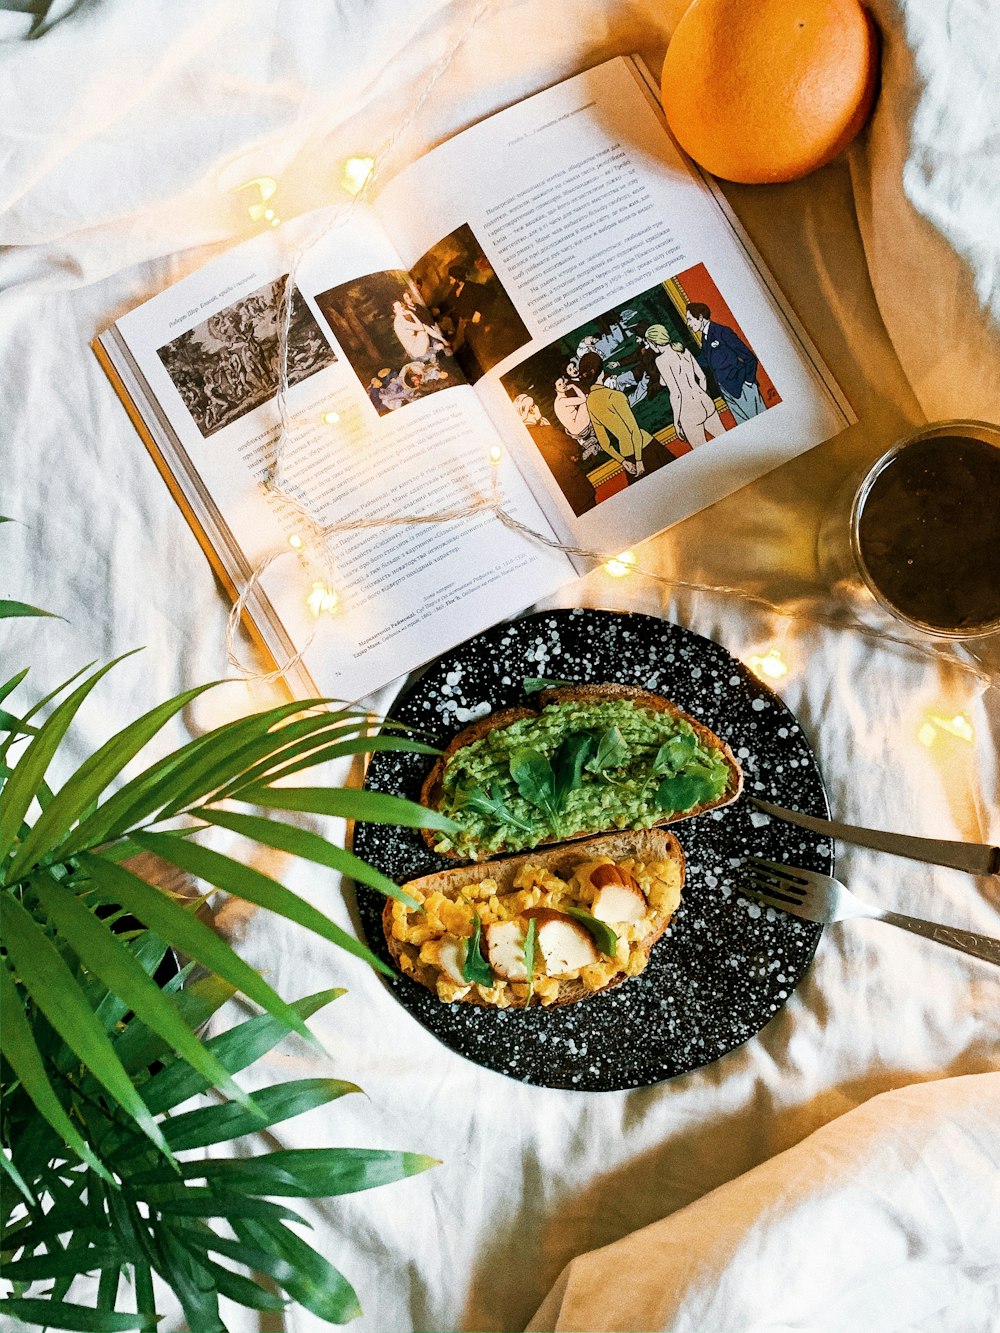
pixel 587 759
pixel 545 928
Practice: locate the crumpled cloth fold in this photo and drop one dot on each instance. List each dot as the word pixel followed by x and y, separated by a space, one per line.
pixel 887 1219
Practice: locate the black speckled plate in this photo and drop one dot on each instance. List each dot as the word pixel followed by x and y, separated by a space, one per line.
pixel 725 966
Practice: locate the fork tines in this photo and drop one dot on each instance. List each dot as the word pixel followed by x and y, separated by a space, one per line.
pixel 774 881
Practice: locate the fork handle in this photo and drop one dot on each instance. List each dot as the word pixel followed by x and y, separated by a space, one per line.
pixel 966 941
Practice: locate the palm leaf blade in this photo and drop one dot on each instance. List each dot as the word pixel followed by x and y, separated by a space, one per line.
pixel 76 1318
pixel 350 803
pixel 301 744
pixel 9 609
pixel 259 745
pixel 103 953
pixel 270 1106
pixel 20 1050
pixel 50 983
pixel 235 1049
pixel 22 786
pixel 191 936
pixel 93 776
pixel 193 1201
pixel 9 686
pixel 138 1047
pixel 307 845
pixel 8 722
pixel 340 749
pixel 37 707
pixel 243 1290
pixel 156 785
pixel 193 1285
pixel 301 1173
pixel 311 1280
pixel 249 884
pixel 74 1260
pixel 148 951
pixel 11 1171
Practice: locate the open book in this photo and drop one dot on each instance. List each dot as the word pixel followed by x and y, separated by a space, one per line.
pixel 554 301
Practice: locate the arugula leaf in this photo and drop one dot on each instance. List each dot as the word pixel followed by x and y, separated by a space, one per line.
pixel 487 802
pixel 568 763
pixel 674 753
pixel 535 779
pixel 604 937
pixel 612 751
pixel 475 968
pixel 529 957
pixel 535 684
pixel 681 792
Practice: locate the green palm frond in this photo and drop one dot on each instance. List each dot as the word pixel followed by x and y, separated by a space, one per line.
pixel 163 1220
pixel 97 1057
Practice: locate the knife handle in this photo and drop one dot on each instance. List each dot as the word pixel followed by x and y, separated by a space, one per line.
pixel 966 941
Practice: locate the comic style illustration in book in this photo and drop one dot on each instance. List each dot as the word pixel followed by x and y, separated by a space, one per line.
pixel 639 386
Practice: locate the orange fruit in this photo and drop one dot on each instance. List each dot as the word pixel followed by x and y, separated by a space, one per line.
pixel 766 90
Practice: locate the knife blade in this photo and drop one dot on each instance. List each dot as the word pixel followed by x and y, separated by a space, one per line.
pixel 972 857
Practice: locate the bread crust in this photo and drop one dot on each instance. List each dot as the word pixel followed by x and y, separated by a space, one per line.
pixel 431 791
pixel 644 845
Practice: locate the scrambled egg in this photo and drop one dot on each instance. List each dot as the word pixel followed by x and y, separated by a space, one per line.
pixel 441 918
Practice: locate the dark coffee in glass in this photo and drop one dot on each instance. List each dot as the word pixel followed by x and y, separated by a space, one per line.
pixel 926 529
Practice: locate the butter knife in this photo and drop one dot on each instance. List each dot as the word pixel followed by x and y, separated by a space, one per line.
pixel 975 858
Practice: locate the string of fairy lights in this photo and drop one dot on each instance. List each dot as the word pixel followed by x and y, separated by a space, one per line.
pixel 309 541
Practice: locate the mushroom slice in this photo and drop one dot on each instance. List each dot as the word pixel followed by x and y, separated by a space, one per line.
pixel 564 944
pixel 505 949
pixel 618 896
pixel 448 954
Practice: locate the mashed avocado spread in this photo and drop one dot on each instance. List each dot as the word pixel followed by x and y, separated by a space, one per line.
pixel 575 768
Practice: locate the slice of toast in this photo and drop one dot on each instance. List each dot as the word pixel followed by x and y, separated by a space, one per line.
pixel 651 857
pixel 433 793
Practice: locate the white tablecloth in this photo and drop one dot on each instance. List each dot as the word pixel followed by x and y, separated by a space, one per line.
pixel 123 127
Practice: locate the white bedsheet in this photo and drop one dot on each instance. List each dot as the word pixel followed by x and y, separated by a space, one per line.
pixel 124 124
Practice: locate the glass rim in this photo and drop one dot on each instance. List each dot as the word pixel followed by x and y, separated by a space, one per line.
pixel 985 431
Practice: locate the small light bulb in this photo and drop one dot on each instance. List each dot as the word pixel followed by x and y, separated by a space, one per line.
pixel 772 665
pixel 961 727
pixel 330 418
pixel 958 726
pixel 621 565
pixel 267 188
pixel 322 600
pixel 355 173
pixel 496 455
pixel 926 734
pixel 296 542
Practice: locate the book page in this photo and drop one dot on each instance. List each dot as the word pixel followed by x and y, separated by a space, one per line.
pixel 618 326
pixel 382 424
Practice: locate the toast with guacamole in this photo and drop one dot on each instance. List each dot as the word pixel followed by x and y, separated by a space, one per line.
pixel 587 759
pixel 545 928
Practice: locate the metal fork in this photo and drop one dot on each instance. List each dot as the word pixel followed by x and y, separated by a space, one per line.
pixel 816 897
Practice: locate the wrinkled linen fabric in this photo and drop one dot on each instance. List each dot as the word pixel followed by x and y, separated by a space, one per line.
pixel 125 128
pixel 829 1226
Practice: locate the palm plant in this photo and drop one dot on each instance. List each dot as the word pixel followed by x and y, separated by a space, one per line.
pixel 97 1058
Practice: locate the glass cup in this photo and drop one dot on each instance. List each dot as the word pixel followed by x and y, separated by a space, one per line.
pixel 924 531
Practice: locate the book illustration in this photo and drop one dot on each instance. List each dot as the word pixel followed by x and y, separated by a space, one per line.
pixel 470 304
pixel 639 386
pixel 226 366
pixel 390 339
